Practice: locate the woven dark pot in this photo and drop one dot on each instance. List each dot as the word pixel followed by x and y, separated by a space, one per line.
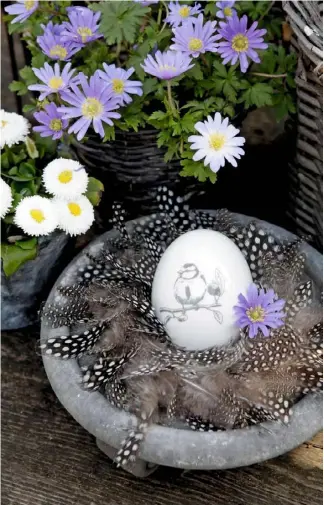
pixel 132 167
pixel 306 172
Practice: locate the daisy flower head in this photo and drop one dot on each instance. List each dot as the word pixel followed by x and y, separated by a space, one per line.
pixel 75 215
pixel 179 13
pixel 52 124
pixel 54 80
pixel 240 43
pixel 259 311
pixel 167 65
pixel 194 37
pixel 225 9
pixel 93 104
pixel 5 198
pixel 65 178
pixel 121 85
pixel 13 128
pixel 36 216
pixel 217 142
pixel 53 46
pixel 82 26
pixel 23 9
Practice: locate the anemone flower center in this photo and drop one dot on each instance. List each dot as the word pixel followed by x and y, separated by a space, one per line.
pixel 4 123
pixel 55 82
pixel 65 176
pixel 228 12
pixel 184 11
pixel 195 44
pixel 59 51
pixel 84 32
pixel 216 141
pixel 240 43
pixel 55 125
pixel 29 4
pixel 256 314
pixel 92 108
pixel 37 215
pixel 167 67
pixel 74 208
pixel 118 85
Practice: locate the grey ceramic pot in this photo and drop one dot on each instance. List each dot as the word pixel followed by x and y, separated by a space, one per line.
pixel 22 293
pixel 180 447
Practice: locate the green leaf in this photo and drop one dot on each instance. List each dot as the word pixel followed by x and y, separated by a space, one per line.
pixel 109 133
pixel 31 148
pixel 28 75
pixel 94 191
pixel 15 255
pixel 195 73
pixel 220 69
pixel 29 108
pixel 38 60
pixel 18 87
pixel 120 20
pixel 260 94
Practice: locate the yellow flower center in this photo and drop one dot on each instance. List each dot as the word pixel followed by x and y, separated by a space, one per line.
pixel 240 43
pixel 184 11
pixel 118 85
pixel 84 32
pixel 256 314
pixel 65 176
pixel 195 44
pixel 55 82
pixel 4 123
pixel 59 51
pixel 37 215
pixel 29 4
pixel 56 125
pixel 91 108
pixel 217 141
pixel 74 208
pixel 228 12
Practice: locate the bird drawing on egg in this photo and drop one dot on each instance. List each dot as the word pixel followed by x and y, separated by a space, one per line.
pixel 190 289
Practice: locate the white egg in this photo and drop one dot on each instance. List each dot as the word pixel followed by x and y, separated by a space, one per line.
pixel 195 288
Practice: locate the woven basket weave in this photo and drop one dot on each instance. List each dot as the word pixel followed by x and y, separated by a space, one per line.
pixel 306 172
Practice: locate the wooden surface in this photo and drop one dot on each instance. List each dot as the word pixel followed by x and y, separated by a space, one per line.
pixel 48 459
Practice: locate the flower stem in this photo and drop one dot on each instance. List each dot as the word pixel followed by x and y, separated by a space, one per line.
pixel 170 99
pixel 271 76
pixel 159 18
pixel 167 13
pixel 204 59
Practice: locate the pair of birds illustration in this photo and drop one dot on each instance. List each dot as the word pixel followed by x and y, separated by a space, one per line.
pixel 191 286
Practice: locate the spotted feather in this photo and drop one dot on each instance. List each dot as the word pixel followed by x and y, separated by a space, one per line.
pixel 301 298
pixel 198 424
pixel 130 446
pixel 116 393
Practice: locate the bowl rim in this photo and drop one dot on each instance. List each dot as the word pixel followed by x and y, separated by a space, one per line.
pixel 170 446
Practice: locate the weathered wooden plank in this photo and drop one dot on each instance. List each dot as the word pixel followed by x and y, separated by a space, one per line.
pixel 48 459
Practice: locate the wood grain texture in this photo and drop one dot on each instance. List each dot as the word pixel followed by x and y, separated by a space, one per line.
pixel 48 459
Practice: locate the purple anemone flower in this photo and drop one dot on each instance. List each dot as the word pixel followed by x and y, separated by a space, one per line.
pixel 179 13
pixel 82 26
pixel 24 9
pixel 167 65
pixel 120 83
pixel 93 104
pixel 194 37
pixel 240 42
pixel 52 123
pixel 54 80
pixel 259 311
pixel 225 9
pixel 146 3
pixel 52 45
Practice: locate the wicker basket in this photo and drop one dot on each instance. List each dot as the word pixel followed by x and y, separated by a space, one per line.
pixel 306 172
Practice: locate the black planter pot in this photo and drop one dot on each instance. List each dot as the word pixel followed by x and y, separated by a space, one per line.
pixel 23 292
pixel 132 167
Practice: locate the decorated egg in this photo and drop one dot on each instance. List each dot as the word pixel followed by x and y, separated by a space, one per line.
pixel 195 287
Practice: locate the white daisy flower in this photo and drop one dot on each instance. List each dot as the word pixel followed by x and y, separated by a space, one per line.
pixel 13 128
pixel 65 178
pixel 75 215
pixel 217 142
pixel 5 198
pixel 36 215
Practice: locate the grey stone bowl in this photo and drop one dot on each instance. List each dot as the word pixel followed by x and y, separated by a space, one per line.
pixel 180 447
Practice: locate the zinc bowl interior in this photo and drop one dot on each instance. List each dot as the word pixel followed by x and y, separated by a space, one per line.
pixel 181 447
